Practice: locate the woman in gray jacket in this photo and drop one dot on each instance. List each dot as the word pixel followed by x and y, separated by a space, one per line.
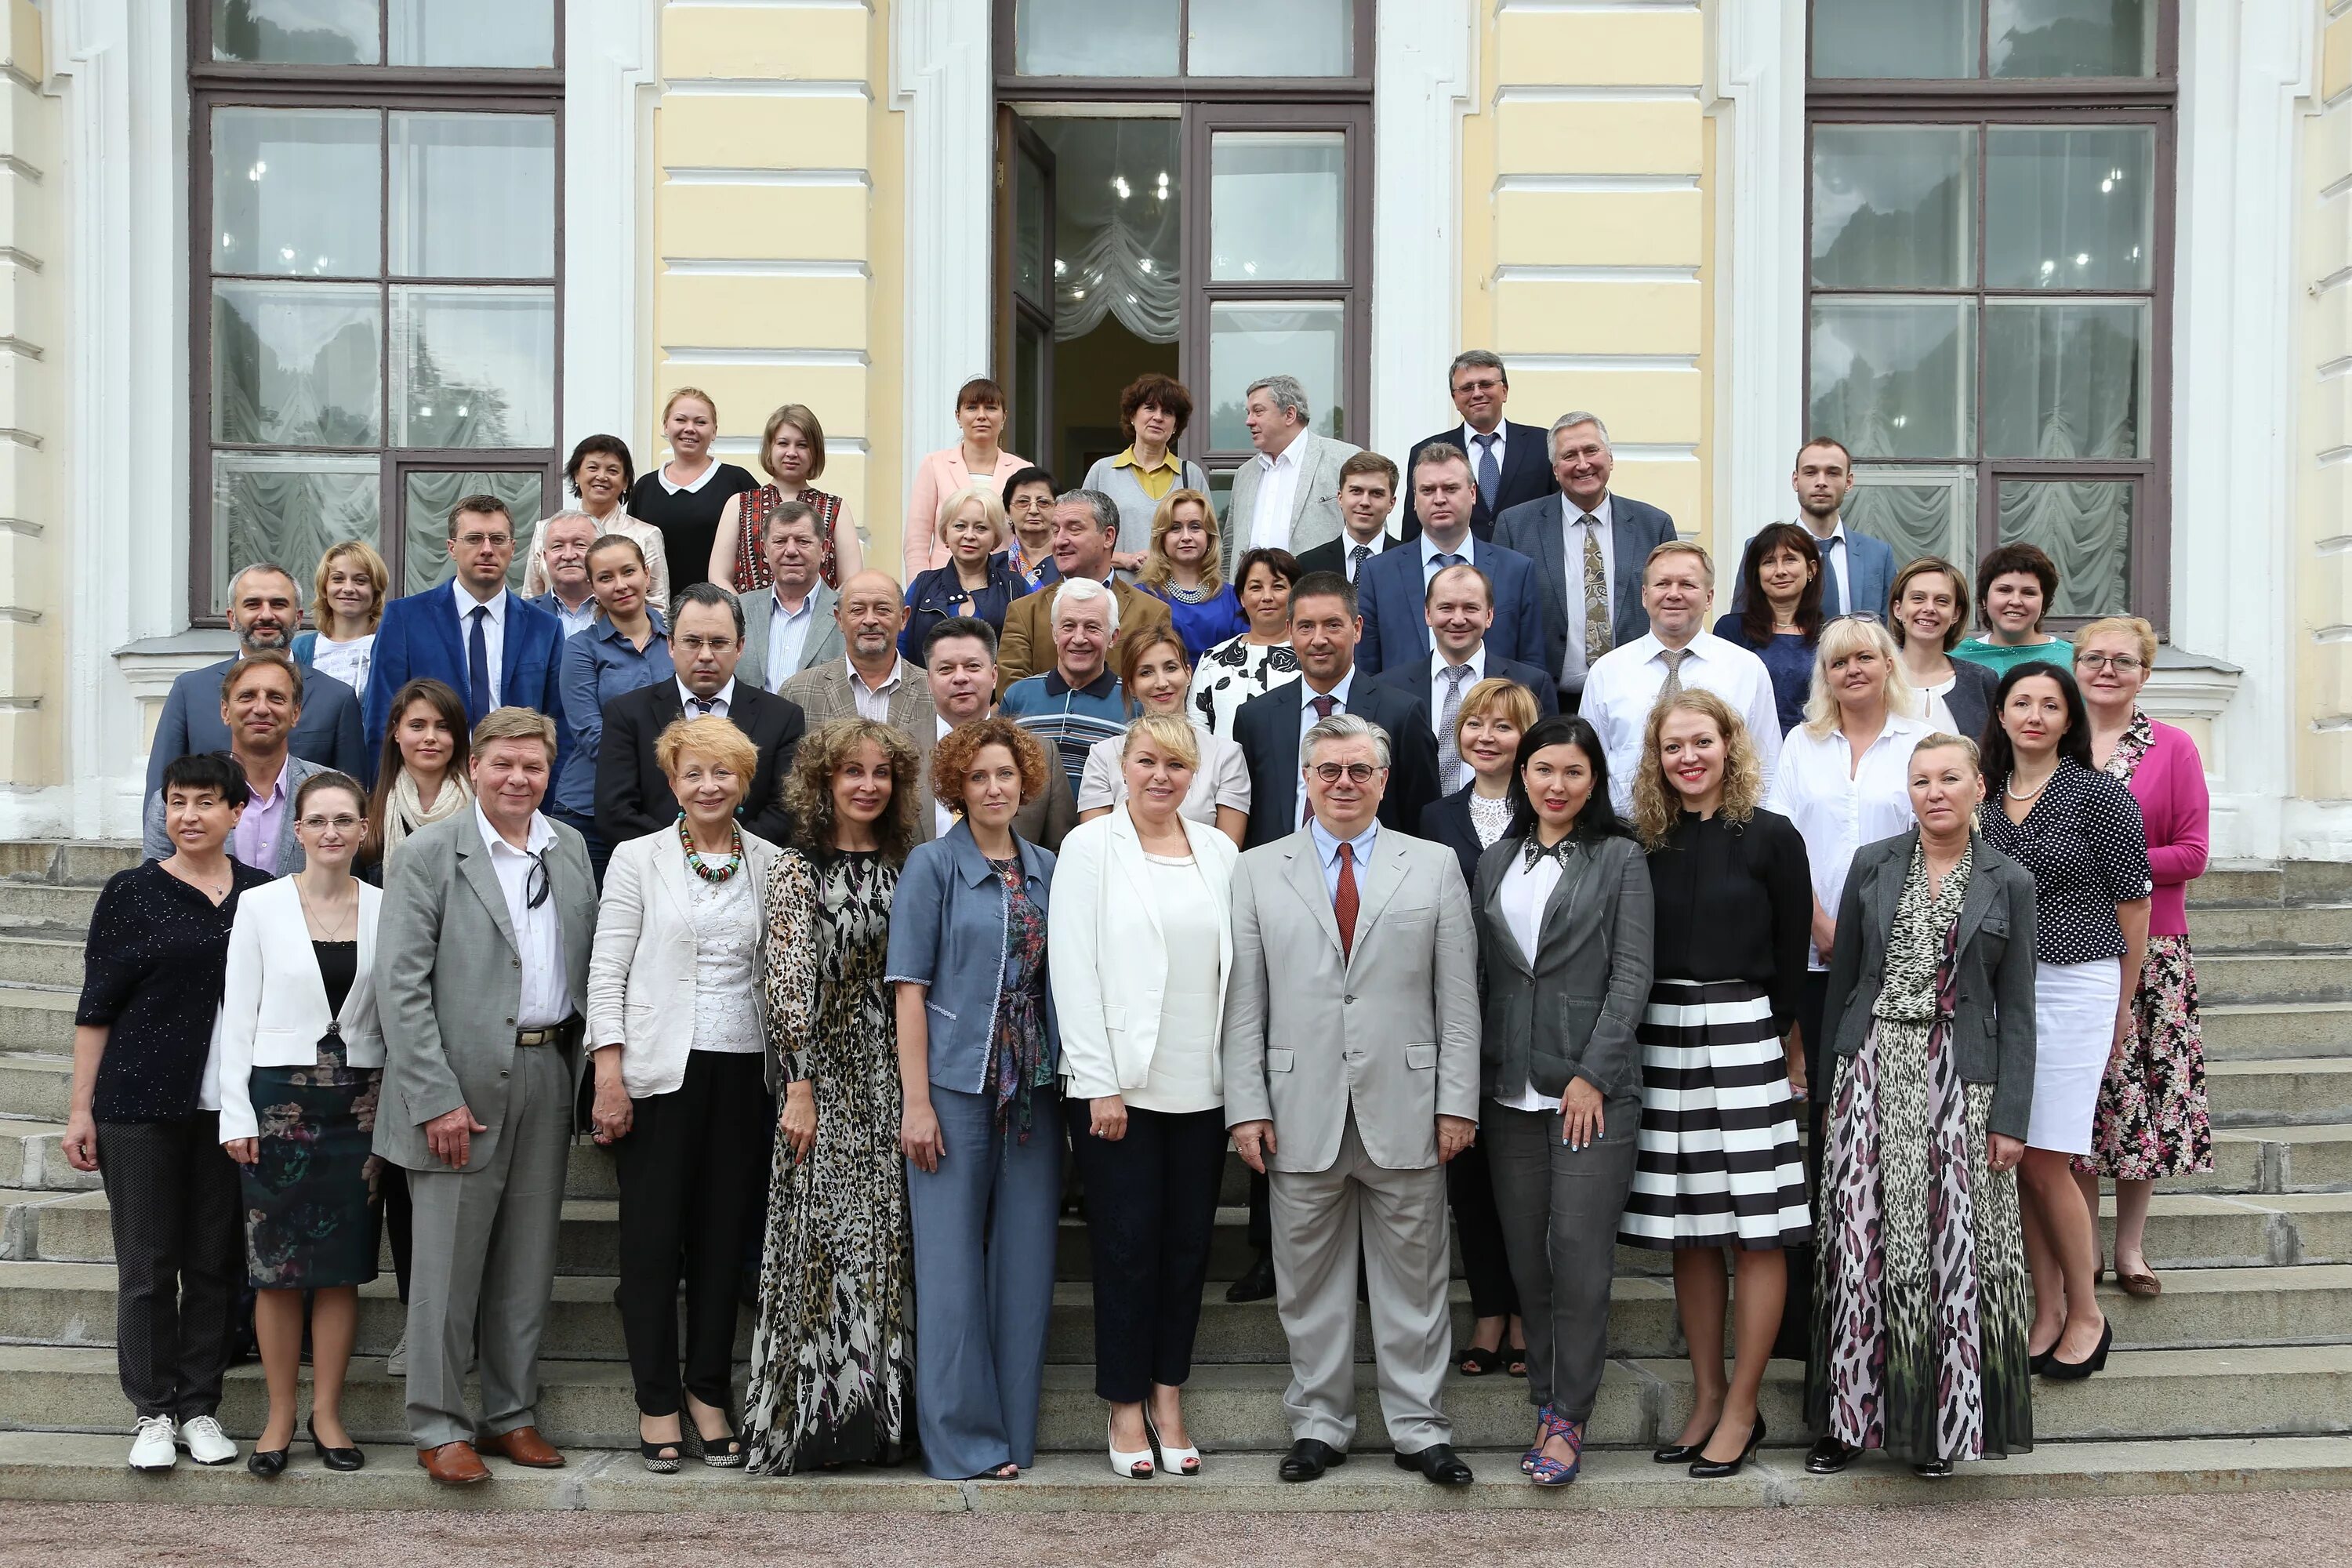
pixel 1564 943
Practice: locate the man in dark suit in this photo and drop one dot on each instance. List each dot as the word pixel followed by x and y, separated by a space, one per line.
pixel 263 613
pixel 490 645
pixel 1393 590
pixel 1461 609
pixel 1588 545
pixel 632 794
pixel 1368 493
pixel 1507 461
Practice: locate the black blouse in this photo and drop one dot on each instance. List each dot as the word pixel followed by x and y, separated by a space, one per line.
pixel 688 520
pixel 1735 902
pixel 2086 848
pixel 153 972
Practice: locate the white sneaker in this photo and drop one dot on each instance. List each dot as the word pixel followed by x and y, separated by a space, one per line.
pixel 153 1449
pixel 396 1363
pixel 206 1443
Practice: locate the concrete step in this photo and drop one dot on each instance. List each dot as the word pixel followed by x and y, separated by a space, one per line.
pixel 2228 930
pixel 40 960
pixel 37 1087
pixel 31 1157
pixel 2291 1090
pixel 2321 975
pixel 36 1018
pixel 2264 1031
pixel 88 862
pixel 2315 1159
pixel 47 903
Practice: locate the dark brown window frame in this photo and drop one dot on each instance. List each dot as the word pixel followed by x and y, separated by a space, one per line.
pixel 213 85
pixel 1980 102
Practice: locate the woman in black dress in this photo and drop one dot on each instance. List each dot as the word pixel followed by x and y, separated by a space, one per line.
pixel 300 1060
pixel 685 496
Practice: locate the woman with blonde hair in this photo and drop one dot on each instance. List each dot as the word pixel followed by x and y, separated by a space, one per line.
pixel 1180 571
pixel 347 596
pixel 685 496
pixel 792 452
pixel 1719 1164
pixel 978 580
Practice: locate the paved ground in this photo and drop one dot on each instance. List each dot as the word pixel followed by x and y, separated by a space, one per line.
pixel 2282 1529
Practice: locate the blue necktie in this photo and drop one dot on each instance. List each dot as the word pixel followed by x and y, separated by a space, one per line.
pixel 478 666
pixel 1833 581
pixel 1490 472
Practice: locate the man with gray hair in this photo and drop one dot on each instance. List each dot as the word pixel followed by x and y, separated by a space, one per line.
pixel 1508 464
pixel 1588 545
pixel 562 544
pixel 1287 497
pixel 1086 536
pixel 1352 1080
pixel 1078 701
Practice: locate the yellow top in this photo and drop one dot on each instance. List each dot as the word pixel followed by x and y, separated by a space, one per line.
pixel 1156 480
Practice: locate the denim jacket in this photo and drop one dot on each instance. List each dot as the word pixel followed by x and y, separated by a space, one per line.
pixel 946 931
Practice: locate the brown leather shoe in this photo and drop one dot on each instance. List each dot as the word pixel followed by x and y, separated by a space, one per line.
pixel 523 1447
pixel 454 1464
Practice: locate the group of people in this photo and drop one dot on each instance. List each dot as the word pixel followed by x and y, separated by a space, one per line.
pixel 839 910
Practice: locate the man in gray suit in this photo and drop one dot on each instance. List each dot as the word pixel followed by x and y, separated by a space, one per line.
pixel 1287 497
pixel 790 627
pixel 260 708
pixel 1352 1079
pixel 482 974
pixel 872 682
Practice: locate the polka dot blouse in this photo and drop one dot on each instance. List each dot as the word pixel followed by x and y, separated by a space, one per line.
pixel 2087 850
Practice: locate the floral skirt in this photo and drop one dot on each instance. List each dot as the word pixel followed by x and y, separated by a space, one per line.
pixel 2151 1120
pixel 310 1218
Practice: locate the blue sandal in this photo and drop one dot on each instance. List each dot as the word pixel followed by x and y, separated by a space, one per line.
pixel 1546 1471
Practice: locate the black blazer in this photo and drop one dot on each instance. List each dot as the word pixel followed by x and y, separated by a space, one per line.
pixel 1970 698
pixel 1526 475
pixel 1332 555
pixel 1266 726
pixel 1415 677
pixel 1446 821
pixel 633 795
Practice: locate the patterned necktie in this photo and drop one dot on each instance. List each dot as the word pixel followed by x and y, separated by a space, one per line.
pixel 1343 900
pixel 1449 748
pixel 1356 558
pixel 702 705
pixel 1673 658
pixel 1599 636
pixel 477 666
pixel 1490 472
pixel 1324 707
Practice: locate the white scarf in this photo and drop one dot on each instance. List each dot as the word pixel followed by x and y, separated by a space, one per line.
pixel 404 812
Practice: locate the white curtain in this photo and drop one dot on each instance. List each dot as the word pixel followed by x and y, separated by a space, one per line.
pixel 1116 238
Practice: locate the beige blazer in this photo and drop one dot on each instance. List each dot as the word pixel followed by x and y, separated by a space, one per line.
pixel 822 692
pixel 937 477
pixel 649 543
pixel 274 1006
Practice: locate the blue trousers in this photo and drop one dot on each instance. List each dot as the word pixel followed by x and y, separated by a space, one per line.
pixel 985 1224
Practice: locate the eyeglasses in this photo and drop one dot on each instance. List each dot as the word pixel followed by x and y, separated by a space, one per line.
pixel 535 887
pixel 343 824
pixel 1354 773
pixel 1865 616
pixel 475 540
pixel 713 644
pixel 2121 663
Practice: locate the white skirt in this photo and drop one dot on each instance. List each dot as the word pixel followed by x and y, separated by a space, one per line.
pixel 2074 1032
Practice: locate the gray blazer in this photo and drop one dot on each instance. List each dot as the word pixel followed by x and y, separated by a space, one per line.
pixel 448 982
pixel 1572 1013
pixel 824 641
pixel 155 841
pixel 1390 1029
pixel 1992 1003
pixel 1314 504
pixel 823 691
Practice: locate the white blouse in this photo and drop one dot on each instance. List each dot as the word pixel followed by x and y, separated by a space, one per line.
pixel 1524 892
pixel 1180 1081
pixel 1838 807
pixel 727 918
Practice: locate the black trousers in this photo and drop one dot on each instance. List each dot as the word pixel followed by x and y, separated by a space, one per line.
pixel 1151 1208
pixel 399 1222
pixel 1470 1190
pixel 1795 1341
pixel 178 1260
pixel 690 1174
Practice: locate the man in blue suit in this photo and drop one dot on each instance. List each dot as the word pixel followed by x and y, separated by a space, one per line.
pixel 1507 461
pixel 1461 616
pixel 489 643
pixel 265 616
pixel 1857 570
pixel 1392 588
pixel 1589 547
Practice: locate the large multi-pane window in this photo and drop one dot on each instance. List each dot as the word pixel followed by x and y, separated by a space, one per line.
pixel 1988 276
pixel 375 276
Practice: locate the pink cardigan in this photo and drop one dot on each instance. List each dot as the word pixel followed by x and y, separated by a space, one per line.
pixel 2169 784
pixel 937 476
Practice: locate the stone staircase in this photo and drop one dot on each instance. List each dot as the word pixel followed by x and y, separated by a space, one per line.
pixel 2240 1375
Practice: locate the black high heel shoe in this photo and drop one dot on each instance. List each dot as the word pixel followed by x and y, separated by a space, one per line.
pixel 345 1459
pixel 268 1463
pixel 2077 1371
pixel 1706 1470
pixel 1680 1453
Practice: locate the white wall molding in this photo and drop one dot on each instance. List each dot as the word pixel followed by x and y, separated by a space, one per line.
pixel 1425 80
pixel 611 57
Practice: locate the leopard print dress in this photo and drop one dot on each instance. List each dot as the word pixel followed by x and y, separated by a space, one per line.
pixel 833 1349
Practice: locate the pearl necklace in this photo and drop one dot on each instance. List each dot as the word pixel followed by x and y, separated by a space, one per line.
pixel 2009 787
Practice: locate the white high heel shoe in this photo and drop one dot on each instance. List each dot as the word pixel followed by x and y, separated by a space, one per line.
pixel 1136 1466
pixel 1174 1461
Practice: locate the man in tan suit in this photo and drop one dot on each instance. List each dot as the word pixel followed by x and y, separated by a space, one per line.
pixel 1085 534
pixel 872 682
pixel 959 663
pixel 1351 1076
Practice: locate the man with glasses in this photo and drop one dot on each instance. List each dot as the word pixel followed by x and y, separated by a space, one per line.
pixel 1353 1081
pixel 1507 458
pixel 490 645
pixel 482 974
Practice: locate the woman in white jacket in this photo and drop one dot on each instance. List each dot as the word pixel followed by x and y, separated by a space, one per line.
pixel 299 1059
pixel 1141 938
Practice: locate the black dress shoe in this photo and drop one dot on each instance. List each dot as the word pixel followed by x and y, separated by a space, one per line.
pixel 344 1459
pixel 1679 1453
pixel 266 1463
pixel 1438 1463
pixel 1706 1470
pixel 1308 1459
pixel 1256 1284
pixel 1827 1457
pixel 1933 1469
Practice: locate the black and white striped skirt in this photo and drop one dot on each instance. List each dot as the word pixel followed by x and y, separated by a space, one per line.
pixel 1719 1164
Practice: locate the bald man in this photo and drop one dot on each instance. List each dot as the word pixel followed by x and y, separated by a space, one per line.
pixel 872 682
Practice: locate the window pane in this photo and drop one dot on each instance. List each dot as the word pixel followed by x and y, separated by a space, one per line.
pixel 2066 380
pixel 1894 206
pixel 296 32
pixel 1895 378
pixel 1919 510
pixel 1277 205
pixel 298 364
pixel 473 196
pixel 2073 38
pixel 295 192
pixel 1029 411
pixel 1029 240
pixel 514 34
pixel 2070 209
pixel 288 507
pixel 2085 527
pixel 1249 37
pixel 473 367
pixel 426 500
pixel 1251 339
pixel 1895 38
pixel 1086 37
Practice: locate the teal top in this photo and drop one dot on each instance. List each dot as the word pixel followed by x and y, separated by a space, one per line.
pixel 2001 658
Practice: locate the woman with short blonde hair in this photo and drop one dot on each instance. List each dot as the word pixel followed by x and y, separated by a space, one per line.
pixel 978 580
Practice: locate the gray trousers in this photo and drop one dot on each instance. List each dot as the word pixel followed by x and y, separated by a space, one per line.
pixel 485 1258
pixel 1560 1208
pixel 1396 1221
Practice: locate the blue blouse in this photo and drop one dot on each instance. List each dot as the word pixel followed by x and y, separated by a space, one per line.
pixel 1205 624
pixel 947 934
pixel 600 664
pixel 938 593
pixel 1788 659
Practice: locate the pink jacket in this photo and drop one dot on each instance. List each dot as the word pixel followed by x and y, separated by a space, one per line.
pixel 2169 784
pixel 940 476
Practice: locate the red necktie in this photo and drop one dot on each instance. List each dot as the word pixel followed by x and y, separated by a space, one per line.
pixel 1343 903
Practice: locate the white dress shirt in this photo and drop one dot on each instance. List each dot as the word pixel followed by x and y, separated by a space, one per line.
pixel 721 705
pixel 1523 894
pixel 1624 685
pixel 1571 664
pixel 1350 544
pixel 494 634
pixel 1307 719
pixel 1502 435
pixel 788 634
pixel 1839 806
pixel 539 932
pixel 1277 488
pixel 1834 566
pixel 874 701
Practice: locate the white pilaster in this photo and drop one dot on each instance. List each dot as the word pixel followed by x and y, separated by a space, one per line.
pixel 610 48
pixel 1424 80
pixel 941 80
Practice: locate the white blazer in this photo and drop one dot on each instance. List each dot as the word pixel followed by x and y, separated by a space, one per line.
pixel 274 1006
pixel 641 970
pixel 1110 962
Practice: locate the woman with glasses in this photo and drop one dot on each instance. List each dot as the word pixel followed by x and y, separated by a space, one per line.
pixel 2151 1122
pixel 1780 615
pixel 301 1059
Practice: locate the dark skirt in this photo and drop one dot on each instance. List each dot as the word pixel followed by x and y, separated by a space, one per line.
pixel 310 1219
